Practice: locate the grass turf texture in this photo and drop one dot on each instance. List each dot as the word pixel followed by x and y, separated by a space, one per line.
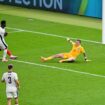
pixel 48 86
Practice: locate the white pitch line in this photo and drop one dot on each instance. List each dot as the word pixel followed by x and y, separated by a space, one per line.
pixel 58 68
pixel 15 31
pixel 54 35
pixel 54 67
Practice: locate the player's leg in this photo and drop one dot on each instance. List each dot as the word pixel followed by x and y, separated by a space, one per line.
pixel 16 101
pixel 15 94
pixel 52 57
pixel 55 56
pixel 10 55
pixel 9 98
pixel 4 56
pixel 3 46
pixel 9 101
pixel 71 60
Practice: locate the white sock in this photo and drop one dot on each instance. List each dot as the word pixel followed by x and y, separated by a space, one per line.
pixel 5 54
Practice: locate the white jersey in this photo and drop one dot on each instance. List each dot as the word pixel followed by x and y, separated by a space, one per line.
pixel 9 79
pixel 3 44
pixel 2 32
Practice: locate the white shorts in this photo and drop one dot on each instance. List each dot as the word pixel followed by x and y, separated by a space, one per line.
pixel 3 44
pixel 12 94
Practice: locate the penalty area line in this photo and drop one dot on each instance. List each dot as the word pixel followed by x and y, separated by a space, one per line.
pixel 15 31
pixel 54 35
pixel 59 68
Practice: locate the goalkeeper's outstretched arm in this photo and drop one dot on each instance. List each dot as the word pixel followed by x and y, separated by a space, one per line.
pixel 70 41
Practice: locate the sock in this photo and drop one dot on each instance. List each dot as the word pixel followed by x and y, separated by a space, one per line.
pixel 5 54
pixel 49 58
pixel 9 53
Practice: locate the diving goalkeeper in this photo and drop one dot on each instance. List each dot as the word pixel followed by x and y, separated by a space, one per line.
pixel 71 56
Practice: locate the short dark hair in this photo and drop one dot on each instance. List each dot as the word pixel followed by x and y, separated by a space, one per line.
pixel 79 40
pixel 3 22
pixel 10 66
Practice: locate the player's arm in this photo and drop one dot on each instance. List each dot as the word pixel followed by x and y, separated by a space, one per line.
pixel 5 34
pixel 70 41
pixel 85 56
pixel 3 80
pixel 17 83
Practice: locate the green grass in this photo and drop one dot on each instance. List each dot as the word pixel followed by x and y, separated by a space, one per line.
pixel 52 16
pixel 46 85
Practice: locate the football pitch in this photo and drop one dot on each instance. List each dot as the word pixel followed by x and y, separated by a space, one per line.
pixel 53 83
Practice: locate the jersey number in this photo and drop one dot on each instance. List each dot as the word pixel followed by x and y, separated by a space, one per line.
pixel 9 80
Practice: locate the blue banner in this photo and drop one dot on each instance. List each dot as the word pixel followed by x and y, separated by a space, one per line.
pixel 91 8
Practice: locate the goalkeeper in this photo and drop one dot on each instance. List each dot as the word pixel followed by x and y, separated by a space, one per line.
pixel 71 56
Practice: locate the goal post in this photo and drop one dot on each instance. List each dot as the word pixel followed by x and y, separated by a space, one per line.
pixel 103 21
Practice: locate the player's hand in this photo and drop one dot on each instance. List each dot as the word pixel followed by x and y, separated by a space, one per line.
pixel 5 34
pixel 85 58
pixel 68 39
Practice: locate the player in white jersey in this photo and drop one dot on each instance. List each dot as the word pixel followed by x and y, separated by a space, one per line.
pixel 12 85
pixel 3 45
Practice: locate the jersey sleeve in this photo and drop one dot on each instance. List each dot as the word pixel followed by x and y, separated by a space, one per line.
pixel 73 43
pixel 0 31
pixel 16 76
pixel 82 50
